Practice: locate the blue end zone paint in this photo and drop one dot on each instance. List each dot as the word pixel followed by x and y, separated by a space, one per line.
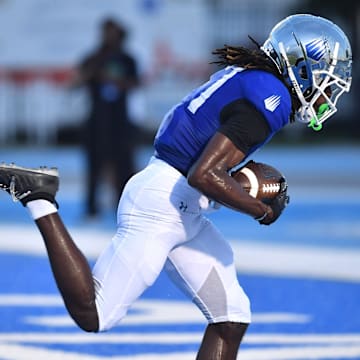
pixel 332 306
pixel 326 302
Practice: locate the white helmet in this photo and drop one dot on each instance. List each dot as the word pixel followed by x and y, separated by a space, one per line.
pixel 314 56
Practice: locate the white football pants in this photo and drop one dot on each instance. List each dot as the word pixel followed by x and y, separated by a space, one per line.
pixel 161 223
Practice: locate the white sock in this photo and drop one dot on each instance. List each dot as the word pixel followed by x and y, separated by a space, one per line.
pixel 40 208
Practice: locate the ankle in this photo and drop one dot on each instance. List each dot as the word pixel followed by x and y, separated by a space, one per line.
pixel 40 207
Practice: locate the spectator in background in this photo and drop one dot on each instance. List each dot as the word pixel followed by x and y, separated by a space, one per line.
pixel 109 73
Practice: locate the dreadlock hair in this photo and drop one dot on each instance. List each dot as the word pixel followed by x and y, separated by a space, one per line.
pixel 252 59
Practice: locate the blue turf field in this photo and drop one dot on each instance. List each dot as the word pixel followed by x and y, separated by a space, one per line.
pixel 302 274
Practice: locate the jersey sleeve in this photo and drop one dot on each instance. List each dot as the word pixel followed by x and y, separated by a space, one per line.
pixel 244 125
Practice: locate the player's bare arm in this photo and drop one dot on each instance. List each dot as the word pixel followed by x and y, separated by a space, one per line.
pixel 210 176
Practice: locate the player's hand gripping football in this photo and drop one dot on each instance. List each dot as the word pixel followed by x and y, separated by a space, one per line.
pixel 278 204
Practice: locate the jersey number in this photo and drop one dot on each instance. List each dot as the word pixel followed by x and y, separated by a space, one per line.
pixel 216 81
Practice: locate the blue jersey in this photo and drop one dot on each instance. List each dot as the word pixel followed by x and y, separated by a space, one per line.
pixel 188 126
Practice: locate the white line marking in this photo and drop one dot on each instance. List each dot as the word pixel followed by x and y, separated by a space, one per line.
pixel 302 353
pixel 174 338
pixel 251 257
pixel 145 312
pixel 333 346
pixel 160 318
pixel 26 239
pixel 102 338
pixel 19 352
pixel 156 318
pixel 297 261
pixel 43 300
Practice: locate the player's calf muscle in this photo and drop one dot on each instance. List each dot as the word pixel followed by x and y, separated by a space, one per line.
pixel 85 318
pixel 71 271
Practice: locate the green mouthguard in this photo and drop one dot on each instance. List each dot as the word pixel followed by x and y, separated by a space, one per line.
pixel 312 124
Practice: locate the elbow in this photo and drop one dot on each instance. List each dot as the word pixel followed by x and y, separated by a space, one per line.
pixel 199 179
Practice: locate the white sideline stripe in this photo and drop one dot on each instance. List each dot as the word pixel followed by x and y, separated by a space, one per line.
pixel 304 352
pixel 18 352
pixel 250 257
pixel 102 338
pixel 156 318
pixel 175 338
pixel 43 300
pixel 26 239
pixel 297 261
pixel 146 312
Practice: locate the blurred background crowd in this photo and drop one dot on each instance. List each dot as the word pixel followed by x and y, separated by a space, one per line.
pixel 102 74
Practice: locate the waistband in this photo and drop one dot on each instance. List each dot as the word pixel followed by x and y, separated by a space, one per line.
pixel 183 173
pixel 207 205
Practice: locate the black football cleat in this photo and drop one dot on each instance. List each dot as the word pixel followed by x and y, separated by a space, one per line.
pixel 27 184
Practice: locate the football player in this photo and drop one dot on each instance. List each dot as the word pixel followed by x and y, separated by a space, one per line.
pixel 298 73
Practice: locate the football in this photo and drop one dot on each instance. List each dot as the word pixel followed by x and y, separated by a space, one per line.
pixel 260 180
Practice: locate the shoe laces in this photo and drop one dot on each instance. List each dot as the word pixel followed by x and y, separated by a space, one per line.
pixel 11 189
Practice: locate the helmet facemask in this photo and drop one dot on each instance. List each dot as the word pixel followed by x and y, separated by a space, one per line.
pixel 323 82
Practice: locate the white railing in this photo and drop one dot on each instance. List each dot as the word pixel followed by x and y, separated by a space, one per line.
pixel 34 104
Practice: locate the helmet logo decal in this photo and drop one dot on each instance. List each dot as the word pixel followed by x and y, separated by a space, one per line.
pixel 316 49
pixel 272 102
